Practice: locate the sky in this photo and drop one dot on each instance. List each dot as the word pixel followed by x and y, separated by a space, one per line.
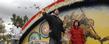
pixel 21 8
pixel 8 7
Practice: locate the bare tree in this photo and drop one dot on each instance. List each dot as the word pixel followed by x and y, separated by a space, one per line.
pixel 2 30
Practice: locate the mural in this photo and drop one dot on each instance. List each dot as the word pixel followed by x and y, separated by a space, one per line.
pixel 93 21
pixel 44 29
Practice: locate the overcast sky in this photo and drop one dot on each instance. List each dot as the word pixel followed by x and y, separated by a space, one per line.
pixel 20 7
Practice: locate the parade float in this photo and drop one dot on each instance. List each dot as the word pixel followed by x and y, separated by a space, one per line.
pixel 92 14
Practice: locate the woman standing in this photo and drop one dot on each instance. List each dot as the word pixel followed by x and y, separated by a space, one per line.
pixel 77 34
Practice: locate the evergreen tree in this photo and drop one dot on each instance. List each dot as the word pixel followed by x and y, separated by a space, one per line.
pixel 18 21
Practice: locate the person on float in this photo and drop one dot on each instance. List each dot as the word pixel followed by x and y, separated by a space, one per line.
pixel 77 34
pixel 55 26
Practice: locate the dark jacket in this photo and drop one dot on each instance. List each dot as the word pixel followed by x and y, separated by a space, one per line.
pixel 55 24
